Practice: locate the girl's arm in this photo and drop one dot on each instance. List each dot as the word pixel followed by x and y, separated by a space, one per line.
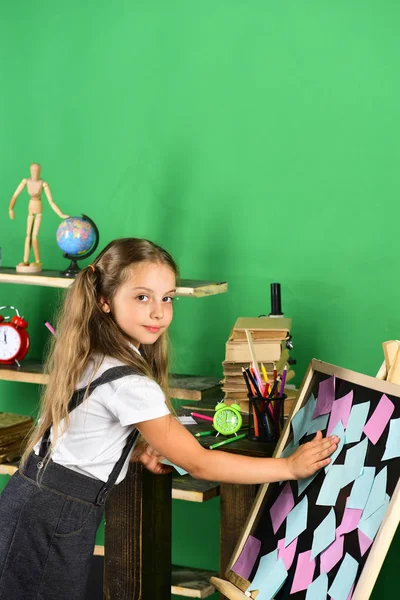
pixel 168 437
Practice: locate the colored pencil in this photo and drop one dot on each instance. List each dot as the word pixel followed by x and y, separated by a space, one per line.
pixel 282 388
pixel 50 327
pixel 204 417
pixel 228 441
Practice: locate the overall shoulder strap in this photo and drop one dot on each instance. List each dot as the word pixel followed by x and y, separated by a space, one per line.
pixel 107 377
pixel 78 396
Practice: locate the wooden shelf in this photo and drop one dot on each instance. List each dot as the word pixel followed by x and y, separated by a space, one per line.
pixel 8 469
pixel 187 287
pixel 193 490
pixel 192 583
pixel 193 387
pixel 182 387
pixel 186 581
pixel 183 487
pixel 29 372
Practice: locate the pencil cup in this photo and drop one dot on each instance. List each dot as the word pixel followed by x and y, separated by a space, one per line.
pixel 265 418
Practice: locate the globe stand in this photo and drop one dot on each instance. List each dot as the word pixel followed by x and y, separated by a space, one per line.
pixel 72 270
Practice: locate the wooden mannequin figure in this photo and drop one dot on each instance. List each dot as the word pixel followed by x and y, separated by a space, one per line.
pixel 35 185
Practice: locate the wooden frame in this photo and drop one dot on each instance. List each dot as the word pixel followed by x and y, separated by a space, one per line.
pixel 235 586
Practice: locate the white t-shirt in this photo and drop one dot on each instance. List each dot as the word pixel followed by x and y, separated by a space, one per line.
pixel 100 425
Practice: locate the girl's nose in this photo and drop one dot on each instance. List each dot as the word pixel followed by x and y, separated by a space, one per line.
pixel 157 311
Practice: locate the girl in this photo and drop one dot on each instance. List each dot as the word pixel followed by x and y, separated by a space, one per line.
pixel 108 382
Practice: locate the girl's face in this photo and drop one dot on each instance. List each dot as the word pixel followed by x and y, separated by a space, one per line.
pixel 142 306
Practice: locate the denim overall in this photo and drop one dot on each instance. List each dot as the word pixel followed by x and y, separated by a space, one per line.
pixel 48 531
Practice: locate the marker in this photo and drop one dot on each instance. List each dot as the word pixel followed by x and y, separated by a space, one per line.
pixel 204 417
pixel 202 433
pixel 50 327
pixel 228 441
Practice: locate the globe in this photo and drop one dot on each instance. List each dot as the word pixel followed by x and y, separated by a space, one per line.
pixel 78 238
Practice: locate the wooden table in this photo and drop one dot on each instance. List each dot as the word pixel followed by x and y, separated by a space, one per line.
pixel 137 563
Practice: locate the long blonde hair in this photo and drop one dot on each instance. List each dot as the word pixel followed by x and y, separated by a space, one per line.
pixel 85 330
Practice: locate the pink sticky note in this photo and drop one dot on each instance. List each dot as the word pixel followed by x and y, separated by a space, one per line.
pixel 364 542
pixel 281 507
pixel 304 572
pixel 331 556
pixel 350 520
pixel 326 396
pixel 287 554
pixel 247 558
pixel 340 411
pixel 376 424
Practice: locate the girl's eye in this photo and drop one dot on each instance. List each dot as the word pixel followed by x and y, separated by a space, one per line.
pixel 142 298
pixel 168 299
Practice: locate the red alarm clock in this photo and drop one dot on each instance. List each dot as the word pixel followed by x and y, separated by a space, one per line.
pixel 14 339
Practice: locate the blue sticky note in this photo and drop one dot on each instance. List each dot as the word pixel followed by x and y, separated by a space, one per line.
pixel 318 589
pixel 265 566
pixel 274 581
pixel 357 419
pixel 377 494
pixel 361 489
pixel 339 431
pixel 355 459
pixel 296 521
pixel 324 534
pixel 331 486
pixel 371 525
pixel 392 449
pixel 290 448
pixel 302 484
pixel 345 577
pixel 318 424
pixel 302 419
pixel 181 471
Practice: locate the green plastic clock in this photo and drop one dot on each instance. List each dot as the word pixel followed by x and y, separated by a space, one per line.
pixel 227 419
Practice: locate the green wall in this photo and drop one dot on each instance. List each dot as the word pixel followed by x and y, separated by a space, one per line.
pixel 255 140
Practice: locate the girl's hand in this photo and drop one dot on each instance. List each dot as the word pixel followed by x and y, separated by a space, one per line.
pixel 312 456
pixel 149 458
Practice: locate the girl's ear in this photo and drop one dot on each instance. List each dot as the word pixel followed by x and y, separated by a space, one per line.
pixel 104 305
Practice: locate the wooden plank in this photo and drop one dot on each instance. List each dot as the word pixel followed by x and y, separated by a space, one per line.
pixel 390 349
pixel 193 490
pixel 192 387
pixel 227 589
pixel 182 387
pixel 192 583
pixel 137 537
pixel 8 469
pixel 185 581
pixel 52 278
pixel 242 498
pixel 29 372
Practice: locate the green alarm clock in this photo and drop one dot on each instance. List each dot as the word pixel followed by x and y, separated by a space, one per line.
pixel 227 419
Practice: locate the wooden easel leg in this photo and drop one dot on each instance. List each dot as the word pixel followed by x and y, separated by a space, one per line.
pixel 236 504
pixel 137 542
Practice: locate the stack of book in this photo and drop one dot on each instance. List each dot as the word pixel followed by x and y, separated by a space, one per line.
pixel 269 336
pixel 13 433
